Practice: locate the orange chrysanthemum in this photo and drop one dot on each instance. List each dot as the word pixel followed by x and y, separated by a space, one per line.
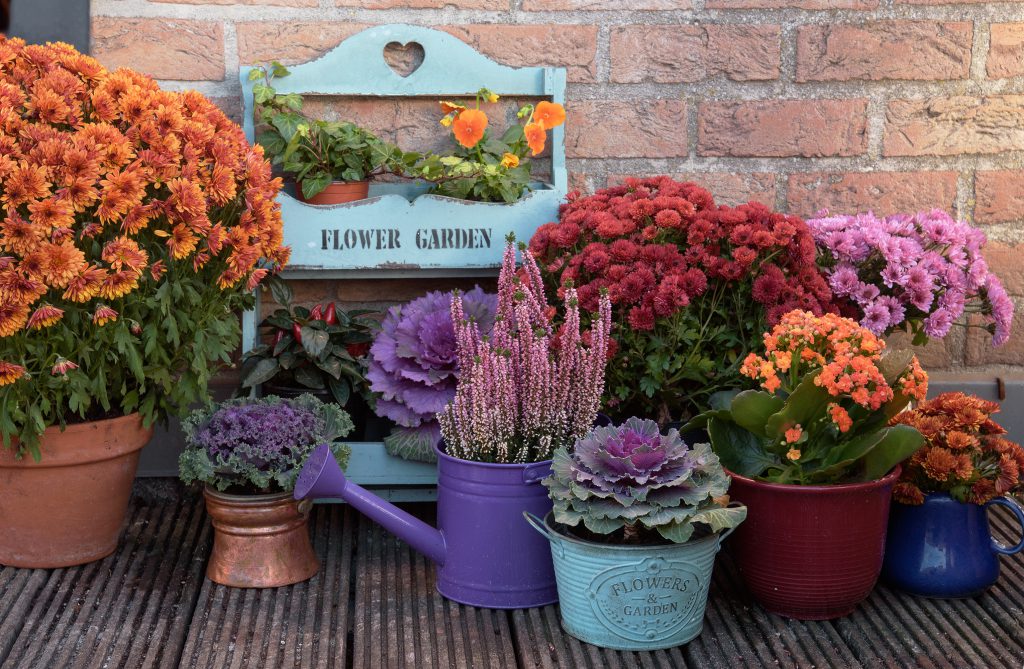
pixel 9 373
pixel 549 114
pixel 103 315
pixel 469 127
pixel 62 367
pixel 62 263
pixel 44 317
pixel 536 136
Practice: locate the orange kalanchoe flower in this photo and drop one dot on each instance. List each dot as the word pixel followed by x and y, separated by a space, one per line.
pixel 469 127
pixel 549 114
pixel 536 136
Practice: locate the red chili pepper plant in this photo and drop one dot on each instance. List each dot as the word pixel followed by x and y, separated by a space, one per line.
pixel 693 286
pixel 320 349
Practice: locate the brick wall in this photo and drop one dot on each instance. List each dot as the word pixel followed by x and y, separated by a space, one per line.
pixel 802 104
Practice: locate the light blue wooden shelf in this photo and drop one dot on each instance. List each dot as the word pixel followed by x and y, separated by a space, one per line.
pixel 400 231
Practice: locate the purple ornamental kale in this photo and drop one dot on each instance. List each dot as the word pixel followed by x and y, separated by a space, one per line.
pixel 413 366
pixel 923 270
pixel 633 476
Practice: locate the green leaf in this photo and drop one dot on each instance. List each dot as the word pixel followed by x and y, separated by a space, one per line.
pixel 807 402
pixel 314 185
pixel 340 390
pixel 308 377
pixel 262 93
pixel 898 444
pixel 740 450
pixel 330 365
pixel 751 409
pixel 314 341
pixel 720 518
pixel 261 372
pixel 282 294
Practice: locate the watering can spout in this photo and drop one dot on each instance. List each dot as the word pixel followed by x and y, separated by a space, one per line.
pixel 321 477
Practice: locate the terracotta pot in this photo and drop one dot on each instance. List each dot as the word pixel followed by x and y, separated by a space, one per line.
pixel 68 508
pixel 811 552
pixel 337 192
pixel 259 541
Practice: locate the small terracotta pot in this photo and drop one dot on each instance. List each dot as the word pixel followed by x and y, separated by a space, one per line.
pixel 259 541
pixel 68 508
pixel 337 192
pixel 811 552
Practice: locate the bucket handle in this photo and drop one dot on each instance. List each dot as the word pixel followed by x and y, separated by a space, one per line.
pixel 539 525
pixel 728 531
pixel 536 472
pixel 1014 506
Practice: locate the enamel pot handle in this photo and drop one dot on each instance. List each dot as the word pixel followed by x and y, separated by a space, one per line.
pixel 723 535
pixel 1014 506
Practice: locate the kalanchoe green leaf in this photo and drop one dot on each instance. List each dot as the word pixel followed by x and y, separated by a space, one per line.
pixel 632 475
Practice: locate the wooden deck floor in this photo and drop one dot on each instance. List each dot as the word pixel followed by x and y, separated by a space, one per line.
pixel 373 606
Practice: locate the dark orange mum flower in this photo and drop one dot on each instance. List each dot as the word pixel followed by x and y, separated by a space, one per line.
pixel 549 114
pixel 9 372
pixel 469 127
pixel 44 317
pixel 536 136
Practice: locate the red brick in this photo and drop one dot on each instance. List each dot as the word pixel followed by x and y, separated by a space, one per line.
pixel 954 126
pixel 884 50
pixel 980 351
pixel 281 3
pixel 1005 261
pixel 936 354
pixel 727 187
pixel 596 5
pixel 1005 50
pixel 162 48
pixel 494 5
pixel 794 4
pixel 952 2
pixel 259 42
pixel 999 196
pixel 882 192
pixel 571 46
pixel 641 129
pixel 779 128
pixel 686 53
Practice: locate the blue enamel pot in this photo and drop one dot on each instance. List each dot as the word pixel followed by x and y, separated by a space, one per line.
pixel 944 548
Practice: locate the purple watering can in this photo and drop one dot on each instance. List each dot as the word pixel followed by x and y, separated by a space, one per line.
pixel 486 554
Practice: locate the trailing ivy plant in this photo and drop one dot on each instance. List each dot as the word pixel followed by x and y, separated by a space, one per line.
pixel 314 151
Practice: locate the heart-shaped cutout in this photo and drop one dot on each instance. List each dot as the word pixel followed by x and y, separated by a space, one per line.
pixel 403 59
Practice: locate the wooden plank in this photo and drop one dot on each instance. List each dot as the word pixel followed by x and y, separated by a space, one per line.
pixel 120 610
pixel 402 622
pixel 304 625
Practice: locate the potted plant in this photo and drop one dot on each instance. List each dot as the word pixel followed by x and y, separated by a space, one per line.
pixel 413 369
pixel 247 453
pixel 637 521
pixel 814 459
pixel 939 542
pixel 485 168
pixel 332 162
pixel 693 286
pixel 321 351
pixel 523 391
pixel 919 272
pixel 143 201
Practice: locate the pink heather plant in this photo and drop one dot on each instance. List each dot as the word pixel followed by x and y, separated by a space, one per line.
pixel 527 389
pixel 918 271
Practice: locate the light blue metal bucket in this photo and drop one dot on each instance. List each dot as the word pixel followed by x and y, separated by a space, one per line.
pixel 631 597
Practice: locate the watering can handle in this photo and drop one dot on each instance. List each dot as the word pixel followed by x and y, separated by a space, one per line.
pixel 539 525
pixel 1014 506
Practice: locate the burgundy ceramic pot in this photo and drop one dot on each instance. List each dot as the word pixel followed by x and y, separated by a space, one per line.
pixel 811 552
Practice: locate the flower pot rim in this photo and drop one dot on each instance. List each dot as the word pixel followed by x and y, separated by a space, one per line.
pixel 942 496
pixel 258 499
pixel 891 477
pixel 508 466
pixel 549 520
pixel 97 451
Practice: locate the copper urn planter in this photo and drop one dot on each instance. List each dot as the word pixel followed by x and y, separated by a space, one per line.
pixel 259 541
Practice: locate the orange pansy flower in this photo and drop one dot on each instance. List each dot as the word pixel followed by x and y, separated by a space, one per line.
pixel 469 127
pixel 549 114
pixel 536 136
